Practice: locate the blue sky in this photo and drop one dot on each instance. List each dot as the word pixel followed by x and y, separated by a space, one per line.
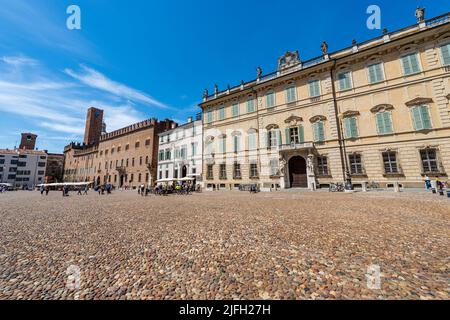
pixel 140 59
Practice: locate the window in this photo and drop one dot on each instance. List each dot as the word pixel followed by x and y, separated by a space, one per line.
pixel 274 138
pixel 318 131
pixel 237 171
pixel 314 88
pixel 210 147
pixel 167 171
pixel 147 142
pixel 355 164
pixel 168 154
pixel 209 116
pixel 161 156
pixel 274 170
pixel 295 135
pixel 183 152
pixel 384 122
pixel 236 143
pixel 127 163
pixel 223 171
pixel 223 145
pixel 375 73
pixel 410 64
pixel 119 149
pixel 390 162
pixel 127 147
pixel 345 81
pixel 270 99
pixel 445 52
pixel 160 173
pixel 139 177
pixel 351 129
pixel 421 118
pixel 222 112
pixel 252 141
pixel 132 162
pixel 41 164
pixel 253 170
pixel 322 166
pixel 131 177
pixel 146 160
pixel 140 161
pixel 235 110
pixel 210 172
pixel 291 95
pixel 137 144
pixel 175 173
pixel 429 160
pixel 194 148
pixel 112 151
pixel 250 105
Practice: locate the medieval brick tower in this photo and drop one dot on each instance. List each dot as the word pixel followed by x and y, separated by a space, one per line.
pixel 28 141
pixel 94 125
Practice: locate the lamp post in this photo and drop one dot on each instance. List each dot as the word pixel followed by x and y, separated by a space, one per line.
pixel 348 175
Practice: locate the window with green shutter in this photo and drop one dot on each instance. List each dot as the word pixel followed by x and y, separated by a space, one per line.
pixel 250 105
pixel 290 94
pixel 375 73
pixel 221 112
pixel 445 51
pixel 421 118
pixel 351 129
pixel 345 82
pixel 410 64
pixel 384 122
pixel 319 132
pixel 252 141
pixel 314 88
pixel 235 109
pixel 270 99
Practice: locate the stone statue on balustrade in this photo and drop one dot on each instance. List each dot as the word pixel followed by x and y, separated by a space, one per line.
pixel 420 14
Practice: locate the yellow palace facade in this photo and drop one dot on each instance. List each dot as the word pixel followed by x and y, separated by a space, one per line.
pixel 375 111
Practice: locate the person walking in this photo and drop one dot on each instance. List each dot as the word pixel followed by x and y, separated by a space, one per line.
pixel 79 191
pixel 42 190
pixel 47 190
pixel 427 183
pixel 86 188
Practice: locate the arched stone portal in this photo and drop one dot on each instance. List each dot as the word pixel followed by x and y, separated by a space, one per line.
pixel 298 177
pixel 184 172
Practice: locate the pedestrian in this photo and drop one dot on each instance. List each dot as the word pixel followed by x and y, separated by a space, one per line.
pixel 47 190
pixel 79 191
pixel 427 183
pixel 42 189
pixel 86 188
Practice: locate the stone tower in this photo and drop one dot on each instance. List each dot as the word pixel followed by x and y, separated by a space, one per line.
pixel 94 126
pixel 28 141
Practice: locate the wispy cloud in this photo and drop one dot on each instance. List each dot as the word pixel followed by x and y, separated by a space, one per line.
pixel 97 80
pixel 19 61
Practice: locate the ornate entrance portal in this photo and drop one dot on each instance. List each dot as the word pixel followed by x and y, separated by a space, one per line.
pixel 298 176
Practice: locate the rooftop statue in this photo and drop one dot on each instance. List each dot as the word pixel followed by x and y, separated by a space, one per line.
pixel 259 72
pixel 420 14
pixel 324 48
pixel 288 59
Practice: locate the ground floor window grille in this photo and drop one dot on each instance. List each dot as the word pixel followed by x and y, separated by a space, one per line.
pixel 253 170
pixel 237 171
pixel 429 160
pixel 209 173
pixel 322 166
pixel 390 162
pixel 223 171
pixel 356 166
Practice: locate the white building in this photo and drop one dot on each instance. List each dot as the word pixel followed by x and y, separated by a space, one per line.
pixel 180 152
pixel 23 169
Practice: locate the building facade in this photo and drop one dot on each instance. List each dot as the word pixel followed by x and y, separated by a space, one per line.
pixel 375 111
pixel 22 169
pixel 55 168
pixel 123 158
pixel 180 152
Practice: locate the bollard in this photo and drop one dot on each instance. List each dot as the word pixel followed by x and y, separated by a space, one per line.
pixel 396 187
pixel 364 186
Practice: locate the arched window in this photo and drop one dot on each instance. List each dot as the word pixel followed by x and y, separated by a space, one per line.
pixel 236 141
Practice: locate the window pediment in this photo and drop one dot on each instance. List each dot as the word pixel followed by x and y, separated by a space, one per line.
pixel 350 113
pixel 293 120
pixel 418 101
pixel 382 107
pixel 317 118
pixel 272 126
pixel 448 96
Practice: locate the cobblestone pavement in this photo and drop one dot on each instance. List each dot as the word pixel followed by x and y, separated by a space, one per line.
pixel 224 246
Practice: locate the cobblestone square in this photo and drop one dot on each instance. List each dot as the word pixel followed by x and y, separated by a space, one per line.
pixel 285 245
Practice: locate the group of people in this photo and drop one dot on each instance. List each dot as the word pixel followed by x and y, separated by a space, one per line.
pixel 3 189
pixel 108 188
pixel 437 184
pixel 46 190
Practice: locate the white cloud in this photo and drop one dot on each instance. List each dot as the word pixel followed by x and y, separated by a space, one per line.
pixel 97 80
pixel 19 61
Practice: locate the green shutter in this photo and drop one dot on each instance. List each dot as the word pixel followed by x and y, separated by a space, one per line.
pixel 301 134
pixel 280 140
pixel 406 65
pixel 445 49
pixel 387 122
pixel 354 129
pixel 264 140
pixel 416 118
pixel 348 129
pixel 288 136
pixel 415 63
pixel 381 123
pixel 425 117
pixel 321 131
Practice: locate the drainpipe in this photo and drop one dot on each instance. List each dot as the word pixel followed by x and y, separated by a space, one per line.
pixel 343 153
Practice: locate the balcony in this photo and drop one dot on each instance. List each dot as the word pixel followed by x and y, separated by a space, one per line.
pixel 297 146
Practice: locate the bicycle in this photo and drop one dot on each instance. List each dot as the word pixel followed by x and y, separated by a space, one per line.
pixel 337 187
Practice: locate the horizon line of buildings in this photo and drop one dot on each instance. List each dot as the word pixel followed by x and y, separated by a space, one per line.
pixel 376 111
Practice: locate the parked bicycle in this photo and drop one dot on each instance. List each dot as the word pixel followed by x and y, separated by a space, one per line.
pixel 337 187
